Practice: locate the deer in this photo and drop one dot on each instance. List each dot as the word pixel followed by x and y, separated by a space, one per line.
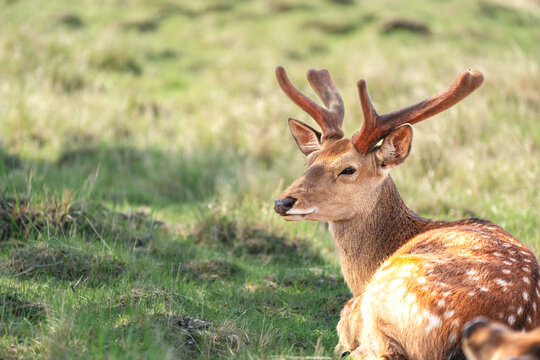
pixel 489 340
pixel 415 281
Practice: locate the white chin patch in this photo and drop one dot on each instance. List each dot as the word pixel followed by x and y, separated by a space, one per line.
pixel 301 211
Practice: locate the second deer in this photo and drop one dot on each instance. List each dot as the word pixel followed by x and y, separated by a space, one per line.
pixel 415 281
pixel 488 340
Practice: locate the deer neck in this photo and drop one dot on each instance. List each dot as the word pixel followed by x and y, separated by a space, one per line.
pixel 371 236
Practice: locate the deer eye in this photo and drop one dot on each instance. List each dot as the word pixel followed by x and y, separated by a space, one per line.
pixel 348 171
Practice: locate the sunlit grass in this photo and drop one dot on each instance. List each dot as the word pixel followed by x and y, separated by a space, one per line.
pixel 142 145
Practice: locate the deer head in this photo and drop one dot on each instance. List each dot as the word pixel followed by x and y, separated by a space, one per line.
pixel 344 176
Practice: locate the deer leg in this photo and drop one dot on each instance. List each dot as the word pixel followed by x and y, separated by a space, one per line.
pixel 349 327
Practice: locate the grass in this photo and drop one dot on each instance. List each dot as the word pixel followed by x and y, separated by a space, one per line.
pixel 142 144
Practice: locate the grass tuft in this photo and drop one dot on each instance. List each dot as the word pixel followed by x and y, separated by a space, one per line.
pixel 210 270
pixel 243 237
pixel 15 307
pixel 70 20
pixel 184 337
pixel 406 25
pixel 116 59
pixel 63 264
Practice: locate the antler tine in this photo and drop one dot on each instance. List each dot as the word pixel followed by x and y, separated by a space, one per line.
pixel 331 119
pixel 321 82
pixel 376 127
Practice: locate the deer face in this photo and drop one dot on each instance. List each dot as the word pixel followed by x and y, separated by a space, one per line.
pixel 343 176
pixel 340 181
pixel 484 340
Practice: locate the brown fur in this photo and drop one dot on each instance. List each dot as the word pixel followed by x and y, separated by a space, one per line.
pixel 415 281
pixel 495 341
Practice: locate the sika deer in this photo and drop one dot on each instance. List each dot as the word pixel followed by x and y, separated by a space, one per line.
pixel 486 340
pixel 415 281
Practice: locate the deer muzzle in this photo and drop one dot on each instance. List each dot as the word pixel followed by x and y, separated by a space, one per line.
pixel 281 206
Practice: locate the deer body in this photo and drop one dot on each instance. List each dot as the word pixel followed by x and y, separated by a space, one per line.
pixel 418 300
pixel 416 282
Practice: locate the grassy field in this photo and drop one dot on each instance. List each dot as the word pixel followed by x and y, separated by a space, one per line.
pixel 142 144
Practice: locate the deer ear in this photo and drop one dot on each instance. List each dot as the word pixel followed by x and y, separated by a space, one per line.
pixel 307 138
pixel 395 147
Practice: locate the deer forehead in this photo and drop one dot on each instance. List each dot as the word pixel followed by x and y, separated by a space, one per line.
pixel 337 154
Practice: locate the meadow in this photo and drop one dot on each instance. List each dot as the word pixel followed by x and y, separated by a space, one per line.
pixel 142 144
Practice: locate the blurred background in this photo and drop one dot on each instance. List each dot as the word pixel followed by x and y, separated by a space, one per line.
pixel 142 144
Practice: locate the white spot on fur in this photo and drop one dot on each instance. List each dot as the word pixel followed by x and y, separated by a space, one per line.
pixel 511 320
pixel 441 303
pixel 527 281
pixel 484 289
pixel 452 338
pixel 501 315
pixel 506 271
pixel 400 292
pixel 527 260
pixel 421 280
pixel 433 321
pixel 526 296
pixel 455 324
pixel 529 320
pixel 472 272
pixel 497 254
pixel 537 293
pixel 446 293
pixel 534 306
pixel 397 283
pixel 512 259
pixel 404 274
pixel 448 314
pixel 410 298
pixel 507 263
pixel 501 282
pixel 524 253
pixel 519 310
pixel 526 269
pixel 470 293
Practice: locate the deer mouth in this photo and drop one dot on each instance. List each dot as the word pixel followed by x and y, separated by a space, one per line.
pixel 298 214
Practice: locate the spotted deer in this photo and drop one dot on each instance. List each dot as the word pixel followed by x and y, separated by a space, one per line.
pixel 488 340
pixel 415 282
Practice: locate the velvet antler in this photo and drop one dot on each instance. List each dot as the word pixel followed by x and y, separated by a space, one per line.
pixel 376 127
pixel 330 118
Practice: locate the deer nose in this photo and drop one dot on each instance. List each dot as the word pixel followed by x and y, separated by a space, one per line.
pixel 281 206
pixel 473 325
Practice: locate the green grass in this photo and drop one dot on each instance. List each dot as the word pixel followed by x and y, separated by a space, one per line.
pixel 142 144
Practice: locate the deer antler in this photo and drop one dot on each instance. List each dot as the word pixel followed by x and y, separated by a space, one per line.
pixel 376 127
pixel 329 119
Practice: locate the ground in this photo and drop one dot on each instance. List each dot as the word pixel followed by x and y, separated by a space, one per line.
pixel 142 144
